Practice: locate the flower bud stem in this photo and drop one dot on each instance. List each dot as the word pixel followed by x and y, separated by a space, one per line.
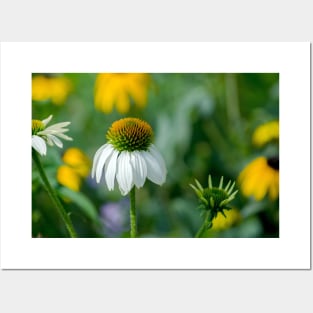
pixel 207 223
pixel 133 218
pixel 61 211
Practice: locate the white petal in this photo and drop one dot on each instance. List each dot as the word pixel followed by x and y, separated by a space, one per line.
pixel 39 145
pixel 59 127
pixel 96 159
pixel 53 130
pixel 155 169
pixel 103 157
pixel 47 120
pixel 139 168
pixel 64 137
pixel 49 141
pixel 158 156
pixel 55 140
pixel 124 174
pixel 47 132
pixel 110 169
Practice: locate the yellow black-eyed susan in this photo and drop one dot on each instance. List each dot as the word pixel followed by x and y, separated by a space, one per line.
pixel 260 177
pixel 118 89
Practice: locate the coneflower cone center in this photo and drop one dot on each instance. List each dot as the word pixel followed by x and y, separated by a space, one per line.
pixel 130 134
pixel 217 194
pixel 37 126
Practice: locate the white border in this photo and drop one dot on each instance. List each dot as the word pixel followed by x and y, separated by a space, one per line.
pixel 290 251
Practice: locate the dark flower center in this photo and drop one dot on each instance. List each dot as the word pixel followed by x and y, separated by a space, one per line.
pixel 273 162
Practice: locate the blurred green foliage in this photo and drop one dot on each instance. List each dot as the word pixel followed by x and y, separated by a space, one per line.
pixel 202 122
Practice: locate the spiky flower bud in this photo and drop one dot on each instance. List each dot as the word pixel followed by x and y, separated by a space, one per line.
pixel 214 199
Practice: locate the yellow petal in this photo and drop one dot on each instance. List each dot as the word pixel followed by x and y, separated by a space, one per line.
pixel 122 103
pixel 68 178
pixel 78 161
pixel 265 133
pixel 40 88
pixel 274 186
pixel 137 89
pixel 105 92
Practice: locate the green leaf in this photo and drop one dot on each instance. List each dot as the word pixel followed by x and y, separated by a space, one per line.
pixel 82 202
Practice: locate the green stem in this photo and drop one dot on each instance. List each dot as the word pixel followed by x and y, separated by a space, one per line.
pixel 61 211
pixel 133 223
pixel 207 223
pixel 232 102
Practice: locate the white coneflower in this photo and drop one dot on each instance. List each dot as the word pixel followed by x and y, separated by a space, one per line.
pixel 42 134
pixel 129 156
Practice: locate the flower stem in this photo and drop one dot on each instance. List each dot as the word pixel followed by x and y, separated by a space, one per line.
pixel 133 223
pixel 61 211
pixel 207 223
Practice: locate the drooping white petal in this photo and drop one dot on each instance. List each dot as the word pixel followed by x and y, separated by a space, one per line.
pixel 96 159
pixel 158 156
pixel 49 141
pixel 47 120
pixel 156 171
pixel 124 174
pixel 55 140
pixel 139 168
pixel 110 169
pixel 103 157
pixel 39 145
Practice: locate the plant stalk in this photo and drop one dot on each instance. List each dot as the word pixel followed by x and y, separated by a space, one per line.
pixel 133 218
pixel 207 223
pixel 58 205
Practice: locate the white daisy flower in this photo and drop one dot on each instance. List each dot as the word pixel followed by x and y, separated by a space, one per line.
pixel 129 157
pixel 42 134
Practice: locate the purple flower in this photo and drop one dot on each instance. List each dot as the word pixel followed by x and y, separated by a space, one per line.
pixel 114 216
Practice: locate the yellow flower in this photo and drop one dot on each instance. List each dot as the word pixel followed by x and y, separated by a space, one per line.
pixel 69 178
pixel 118 88
pixel 260 177
pixel 52 88
pixel 76 168
pixel 220 222
pixel 266 133
pixel 78 161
